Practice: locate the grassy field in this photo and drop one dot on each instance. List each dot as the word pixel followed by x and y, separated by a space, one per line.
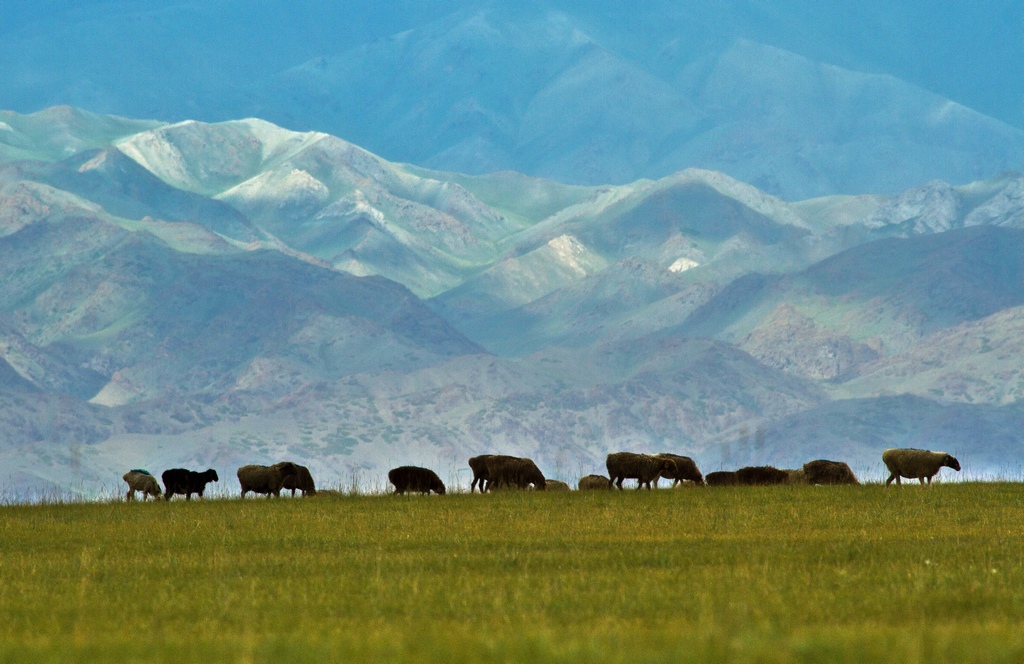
pixel 787 574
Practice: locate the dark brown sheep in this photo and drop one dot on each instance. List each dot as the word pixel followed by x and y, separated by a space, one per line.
pixel 187 482
pixel 594 483
pixel 758 475
pixel 556 485
pixel 265 479
pixel 641 467
pixel 478 464
pixel 721 478
pixel 414 478
pixel 301 480
pixel 686 469
pixel 508 472
pixel 823 471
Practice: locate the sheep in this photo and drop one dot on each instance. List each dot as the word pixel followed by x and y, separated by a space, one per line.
pixel 556 485
pixel 507 472
pixel 686 469
pixel 641 467
pixel 796 476
pixel 478 464
pixel 721 478
pixel 594 483
pixel 187 482
pixel 302 480
pixel 758 475
pixel 823 471
pixel 414 478
pixel 919 464
pixel 141 480
pixel 266 479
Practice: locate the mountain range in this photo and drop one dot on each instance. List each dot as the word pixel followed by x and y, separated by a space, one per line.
pixel 792 98
pixel 197 294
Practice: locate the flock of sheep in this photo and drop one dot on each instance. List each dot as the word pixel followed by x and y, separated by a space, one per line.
pixel 495 472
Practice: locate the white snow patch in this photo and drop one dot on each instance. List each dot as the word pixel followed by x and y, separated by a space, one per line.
pixel 682 265
pixel 570 252
pixel 6 127
pixel 96 162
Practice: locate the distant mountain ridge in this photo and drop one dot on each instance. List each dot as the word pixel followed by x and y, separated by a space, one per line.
pixel 798 99
pixel 217 294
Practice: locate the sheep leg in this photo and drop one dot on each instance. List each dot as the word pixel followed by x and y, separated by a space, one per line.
pixel 130 495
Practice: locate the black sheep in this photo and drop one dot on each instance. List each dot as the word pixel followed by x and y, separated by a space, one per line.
pixel 517 472
pixel 761 475
pixel 414 478
pixel 721 478
pixel 187 482
pixel 301 480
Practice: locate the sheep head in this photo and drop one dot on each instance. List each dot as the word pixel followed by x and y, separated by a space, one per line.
pixel 951 462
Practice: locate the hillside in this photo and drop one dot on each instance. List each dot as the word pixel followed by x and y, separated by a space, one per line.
pixel 210 295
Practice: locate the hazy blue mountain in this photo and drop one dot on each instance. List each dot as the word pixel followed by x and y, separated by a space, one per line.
pixel 216 294
pixel 797 98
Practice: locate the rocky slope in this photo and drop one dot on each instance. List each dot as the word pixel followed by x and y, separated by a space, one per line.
pixel 217 294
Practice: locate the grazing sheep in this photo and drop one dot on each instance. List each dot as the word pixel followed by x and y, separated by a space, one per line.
pixel 507 472
pixel 759 475
pixel 556 485
pixel 594 483
pixel 478 464
pixel 266 479
pixel 823 471
pixel 686 469
pixel 301 480
pixel 141 480
pixel 414 478
pixel 916 464
pixel 721 478
pixel 187 482
pixel 641 467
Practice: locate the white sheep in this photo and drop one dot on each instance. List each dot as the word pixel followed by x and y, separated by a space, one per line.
pixel 141 480
pixel 919 464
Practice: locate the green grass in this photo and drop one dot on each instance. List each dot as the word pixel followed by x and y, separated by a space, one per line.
pixel 793 574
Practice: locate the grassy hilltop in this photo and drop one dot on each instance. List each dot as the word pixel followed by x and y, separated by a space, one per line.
pixel 746 574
